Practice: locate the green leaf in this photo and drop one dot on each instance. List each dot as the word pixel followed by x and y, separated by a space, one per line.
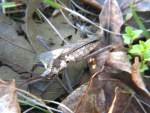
pixel 137 33
pixel 52 3
pixel 127 39
pixel 147 55
pixel 128 16
pixel 147 43
pixel 143 67
pixel 129 30
pixel 142 43
pixel 143 46
pixel 8 4
pixel 133 33
pixel 129 57
pixel 135 50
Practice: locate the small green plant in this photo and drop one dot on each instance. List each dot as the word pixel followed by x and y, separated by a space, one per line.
pixel 142 49
pixel 131 34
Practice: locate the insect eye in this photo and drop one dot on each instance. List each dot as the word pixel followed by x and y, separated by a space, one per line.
pixel 92 62
pixel 67 61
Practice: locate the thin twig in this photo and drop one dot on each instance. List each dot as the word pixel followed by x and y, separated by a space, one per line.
pixel 28 17
pixel 33 101
pixel 129 102
pixel 89 21
pixel 88 88
pixel 70 23
pixel 32 98
pixel 98 51
pixel 84 10
pixel 60 104
pixel 142 107
pixel 26 111
pixel 53 27
pixel 148 105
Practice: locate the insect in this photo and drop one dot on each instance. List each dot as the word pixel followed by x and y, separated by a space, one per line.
pixel 56 60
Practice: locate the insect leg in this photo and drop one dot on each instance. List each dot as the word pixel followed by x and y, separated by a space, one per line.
pixel 68 80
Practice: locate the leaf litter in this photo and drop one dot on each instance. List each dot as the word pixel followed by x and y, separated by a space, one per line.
pixel 113 77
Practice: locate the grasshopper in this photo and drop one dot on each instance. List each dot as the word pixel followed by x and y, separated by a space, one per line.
pixel 56 60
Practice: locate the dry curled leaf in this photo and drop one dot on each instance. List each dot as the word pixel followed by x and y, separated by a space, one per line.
pixel 8 98
pixel 93 3
pixel 111 18
pixel 136 77
pixel 121 101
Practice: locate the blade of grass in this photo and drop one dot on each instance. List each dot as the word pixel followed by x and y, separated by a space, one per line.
pixel 52 3
pixel 8 4
pixel 140 23
pixel 35 100
pixel 25 103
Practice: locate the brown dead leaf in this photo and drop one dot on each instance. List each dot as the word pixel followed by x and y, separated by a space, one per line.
pixel 8 98
pixel 136 77
pixel 93 3
pixel 120 102
pixel 111 18
pixel 119 60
